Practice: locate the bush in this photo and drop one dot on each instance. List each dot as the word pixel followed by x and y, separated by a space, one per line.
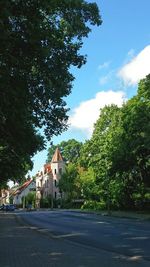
pixel 45 202
pixel 94 205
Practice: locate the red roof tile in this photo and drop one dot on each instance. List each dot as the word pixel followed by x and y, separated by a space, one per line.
pixel 47 168
pixel 22 187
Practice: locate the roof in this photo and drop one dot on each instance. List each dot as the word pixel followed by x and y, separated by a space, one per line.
pixel 47 168
pixel 57 156
pixel 22 187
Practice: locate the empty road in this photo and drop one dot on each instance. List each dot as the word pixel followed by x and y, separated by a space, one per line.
pixel 125 237
pixel 72 239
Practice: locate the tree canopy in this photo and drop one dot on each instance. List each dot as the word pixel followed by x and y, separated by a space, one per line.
pixel 112 168
pixel 119 150
pixel 40 41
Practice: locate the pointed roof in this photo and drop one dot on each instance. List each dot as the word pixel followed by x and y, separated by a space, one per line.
pixel 22 187
pixel 57 156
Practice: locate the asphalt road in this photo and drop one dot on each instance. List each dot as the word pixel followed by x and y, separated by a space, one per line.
pixel 127 239
pixel 72 239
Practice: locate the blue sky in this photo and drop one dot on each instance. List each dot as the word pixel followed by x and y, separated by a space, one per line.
pixel 118 55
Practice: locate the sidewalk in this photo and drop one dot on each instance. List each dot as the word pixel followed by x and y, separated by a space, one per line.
pixel 132 215
pixel 119 214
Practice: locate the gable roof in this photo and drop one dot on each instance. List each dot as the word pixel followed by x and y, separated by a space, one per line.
pixel 22 187
pixel 57 156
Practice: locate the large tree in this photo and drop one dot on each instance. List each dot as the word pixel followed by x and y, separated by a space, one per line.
pixel 40 40
pixel 119 150
pixel 69 183
pixel 132 155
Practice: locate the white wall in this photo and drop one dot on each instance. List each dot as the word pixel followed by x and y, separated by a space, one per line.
pixel 18 198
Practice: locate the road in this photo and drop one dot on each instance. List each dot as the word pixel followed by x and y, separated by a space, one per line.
pixel 129 238
pixel 72 239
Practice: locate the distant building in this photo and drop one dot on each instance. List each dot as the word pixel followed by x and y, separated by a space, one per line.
pixel 22 191
pixel 4 196
pixel 48 178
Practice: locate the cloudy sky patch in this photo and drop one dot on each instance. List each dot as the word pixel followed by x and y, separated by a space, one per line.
pixel 137 68
pixel 86 114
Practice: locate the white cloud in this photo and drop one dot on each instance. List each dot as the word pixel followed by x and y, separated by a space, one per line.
pixel 86 114
pixel 106 78
pixel 104 65
pixel 137 68
pixel 131 53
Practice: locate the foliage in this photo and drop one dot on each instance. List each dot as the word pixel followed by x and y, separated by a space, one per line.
pixel 69 182
pixel 113 170
pixel 93 205
pixel 30 198
pixel 119 151
pixel 45 202
pixel 131 160
pixel 87 181
pixel 40 40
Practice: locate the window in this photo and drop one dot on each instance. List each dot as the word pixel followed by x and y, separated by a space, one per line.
pixel 55 182
pixel 55 195
pixel 55 171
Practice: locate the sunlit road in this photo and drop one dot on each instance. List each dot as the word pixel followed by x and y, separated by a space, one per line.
pixel 125 237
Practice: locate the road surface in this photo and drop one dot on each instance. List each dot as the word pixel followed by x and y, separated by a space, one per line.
pixel 69 239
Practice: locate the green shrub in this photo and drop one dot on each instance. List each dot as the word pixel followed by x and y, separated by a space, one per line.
pixel 94 205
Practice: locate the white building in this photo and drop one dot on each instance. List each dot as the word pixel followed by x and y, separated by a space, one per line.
pixel 48 178
pixel 22 191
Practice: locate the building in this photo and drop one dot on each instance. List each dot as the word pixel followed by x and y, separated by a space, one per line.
pixel 22 191
pixel 48 178
pixel 4 196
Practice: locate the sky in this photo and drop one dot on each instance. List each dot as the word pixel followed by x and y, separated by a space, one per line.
pixel 118 56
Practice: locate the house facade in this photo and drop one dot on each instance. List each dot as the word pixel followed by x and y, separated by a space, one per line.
pixel 48 178
pixel 4 197
pixel 22 191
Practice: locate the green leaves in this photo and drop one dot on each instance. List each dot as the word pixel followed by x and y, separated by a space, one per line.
pixel 69 182
pixel 119 150
pixel 40 40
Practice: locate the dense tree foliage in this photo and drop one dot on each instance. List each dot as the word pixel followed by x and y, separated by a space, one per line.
pixel 40 40
pixel 70 150
pixel 119 151
pixel 69 182
pixel 113 170
pixel 30 199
